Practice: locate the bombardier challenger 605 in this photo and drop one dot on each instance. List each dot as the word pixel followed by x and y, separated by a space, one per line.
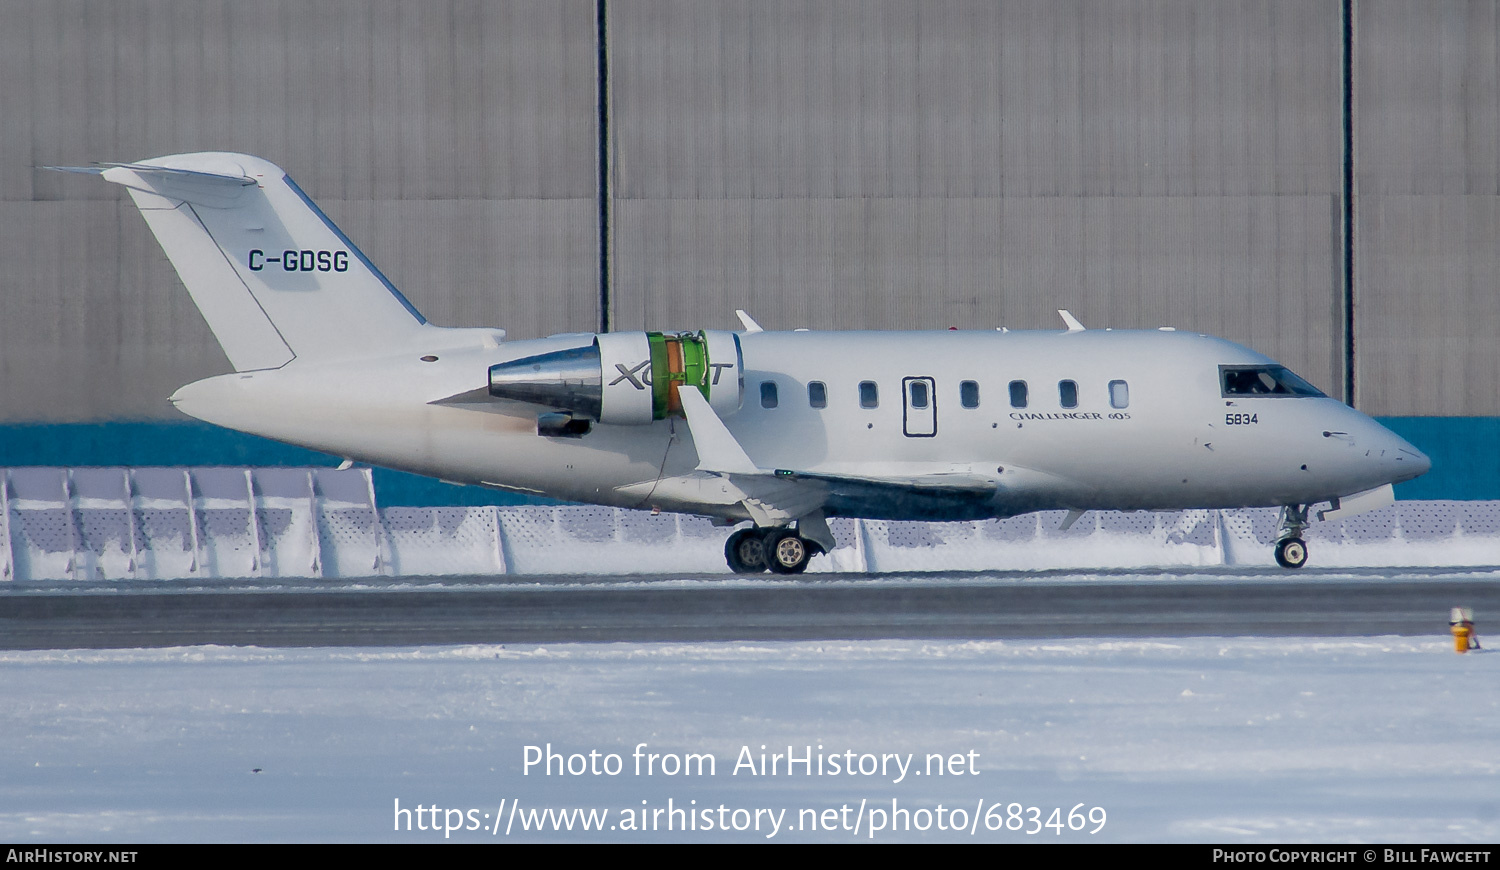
pixel 774 430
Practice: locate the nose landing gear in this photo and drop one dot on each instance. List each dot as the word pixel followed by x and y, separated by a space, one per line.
pixel 1291 550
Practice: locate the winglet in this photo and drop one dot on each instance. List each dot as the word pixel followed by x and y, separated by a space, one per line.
pixel 750 324
pixel 1070 320
pixel 717 449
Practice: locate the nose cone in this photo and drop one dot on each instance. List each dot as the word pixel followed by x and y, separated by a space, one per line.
pixel 1402 460
pixel 1418 462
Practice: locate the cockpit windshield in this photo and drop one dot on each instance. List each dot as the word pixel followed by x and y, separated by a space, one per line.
pixel 1263 381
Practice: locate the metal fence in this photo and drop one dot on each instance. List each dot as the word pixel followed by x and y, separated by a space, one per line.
pixel 211 524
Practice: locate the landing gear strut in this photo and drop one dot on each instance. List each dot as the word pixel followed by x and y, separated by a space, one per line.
pixel 1291 550
pixel 780 550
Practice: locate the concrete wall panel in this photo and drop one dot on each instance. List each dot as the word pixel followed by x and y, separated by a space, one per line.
pixel 526 265
pixel 744 98
pixel 456 143
pixel 1429 305
pixel 92 326
pixel 384 100
pixel 906 164
pixel 832 164
pixel 1253 269
pixel 96 326
pixel 1428 160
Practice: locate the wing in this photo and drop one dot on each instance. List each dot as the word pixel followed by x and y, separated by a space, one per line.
pixel 774 496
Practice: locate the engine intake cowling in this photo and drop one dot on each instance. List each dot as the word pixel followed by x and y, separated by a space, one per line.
pixel 628 378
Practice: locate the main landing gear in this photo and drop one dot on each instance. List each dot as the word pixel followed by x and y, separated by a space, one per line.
pixel 780 550
pixel 1291 550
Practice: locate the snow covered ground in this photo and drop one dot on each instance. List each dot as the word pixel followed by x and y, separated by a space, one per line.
pixel 1234 739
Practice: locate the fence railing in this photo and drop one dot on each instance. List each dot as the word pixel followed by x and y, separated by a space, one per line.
pixel 70 524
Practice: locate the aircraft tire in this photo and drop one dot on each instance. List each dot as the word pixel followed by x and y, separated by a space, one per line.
pixel 745 551
pixel 787 552
pixel 1291 553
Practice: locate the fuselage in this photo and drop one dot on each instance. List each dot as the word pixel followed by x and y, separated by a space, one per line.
pixel 1089 419
pixel 782 429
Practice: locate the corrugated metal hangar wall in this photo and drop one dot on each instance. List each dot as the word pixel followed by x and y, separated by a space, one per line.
pixel 455 143
pixel 839 164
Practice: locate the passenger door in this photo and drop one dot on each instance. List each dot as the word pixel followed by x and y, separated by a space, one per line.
pixel 919 398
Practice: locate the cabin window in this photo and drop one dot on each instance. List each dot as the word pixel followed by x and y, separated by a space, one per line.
pixel 1119 394
pixel 817 394
pixel 968 394
pixel 869 395
pixel 768 394
pixel 918 390
pixel 1067 393
pixel 1018 394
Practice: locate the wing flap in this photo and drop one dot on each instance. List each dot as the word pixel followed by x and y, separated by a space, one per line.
pixel 954 482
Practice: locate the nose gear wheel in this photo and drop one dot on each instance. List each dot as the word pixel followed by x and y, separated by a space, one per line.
pixel 1291 553
pixel 1291 550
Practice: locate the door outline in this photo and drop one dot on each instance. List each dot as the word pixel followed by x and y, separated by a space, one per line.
pixel 919 422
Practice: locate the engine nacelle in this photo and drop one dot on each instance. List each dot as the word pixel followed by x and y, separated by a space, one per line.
pixel 629 378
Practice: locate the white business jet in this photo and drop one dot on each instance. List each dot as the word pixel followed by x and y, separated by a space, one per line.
pixel 781 430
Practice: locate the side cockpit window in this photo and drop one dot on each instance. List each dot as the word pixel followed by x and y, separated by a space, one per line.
pixel 1239 381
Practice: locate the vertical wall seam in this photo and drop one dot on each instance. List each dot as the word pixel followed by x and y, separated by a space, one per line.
pixel 1349 202
pixel 7 549
pixel 601 70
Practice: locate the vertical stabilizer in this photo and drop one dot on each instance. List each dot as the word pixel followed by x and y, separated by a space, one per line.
pixel 272 275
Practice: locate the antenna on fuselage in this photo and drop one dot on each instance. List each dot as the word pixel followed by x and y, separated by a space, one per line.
pixel 1070 320
pixel 750 324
